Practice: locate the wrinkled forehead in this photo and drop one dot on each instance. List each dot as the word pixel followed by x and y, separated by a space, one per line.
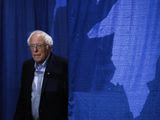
pixel 37 39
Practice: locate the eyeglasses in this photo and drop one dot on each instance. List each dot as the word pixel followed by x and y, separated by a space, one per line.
pixel 38 46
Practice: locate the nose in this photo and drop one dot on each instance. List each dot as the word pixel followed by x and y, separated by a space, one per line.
pixel 35 49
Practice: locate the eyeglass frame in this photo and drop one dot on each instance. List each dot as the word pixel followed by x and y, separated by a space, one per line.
pixel 37 46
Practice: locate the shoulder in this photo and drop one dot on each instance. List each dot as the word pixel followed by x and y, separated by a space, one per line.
pixel 57 64
pixel 59 60
pixel 28 63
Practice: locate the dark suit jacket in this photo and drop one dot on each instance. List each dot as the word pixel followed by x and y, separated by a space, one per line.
pixel 53 103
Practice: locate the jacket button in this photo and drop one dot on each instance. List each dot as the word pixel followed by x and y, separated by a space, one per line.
pixel 40 110
pixel 48 73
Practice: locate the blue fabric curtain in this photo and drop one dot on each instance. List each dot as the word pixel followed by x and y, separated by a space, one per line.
pixel 112 47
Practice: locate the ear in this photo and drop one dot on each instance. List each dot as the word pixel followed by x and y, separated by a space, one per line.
pixel 47 47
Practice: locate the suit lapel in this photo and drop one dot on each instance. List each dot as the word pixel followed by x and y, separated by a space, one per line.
pixel 51 65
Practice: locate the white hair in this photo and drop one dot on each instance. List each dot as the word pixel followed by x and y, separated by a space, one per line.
pixel 48 39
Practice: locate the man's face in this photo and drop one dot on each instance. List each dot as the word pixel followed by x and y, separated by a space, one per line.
pixel 39 49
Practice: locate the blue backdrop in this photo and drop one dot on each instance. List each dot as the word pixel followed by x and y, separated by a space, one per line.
pixel 112 47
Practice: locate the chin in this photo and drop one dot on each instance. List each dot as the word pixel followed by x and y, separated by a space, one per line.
pixel 38 61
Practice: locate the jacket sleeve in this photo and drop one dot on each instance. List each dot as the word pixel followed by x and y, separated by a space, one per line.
pixel 21 108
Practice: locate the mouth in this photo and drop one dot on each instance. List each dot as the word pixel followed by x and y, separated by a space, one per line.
pixel 37 55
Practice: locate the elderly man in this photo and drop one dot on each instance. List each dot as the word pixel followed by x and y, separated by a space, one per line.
pixel 43 94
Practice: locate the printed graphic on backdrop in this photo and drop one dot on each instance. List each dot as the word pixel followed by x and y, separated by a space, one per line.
pixel 108 44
